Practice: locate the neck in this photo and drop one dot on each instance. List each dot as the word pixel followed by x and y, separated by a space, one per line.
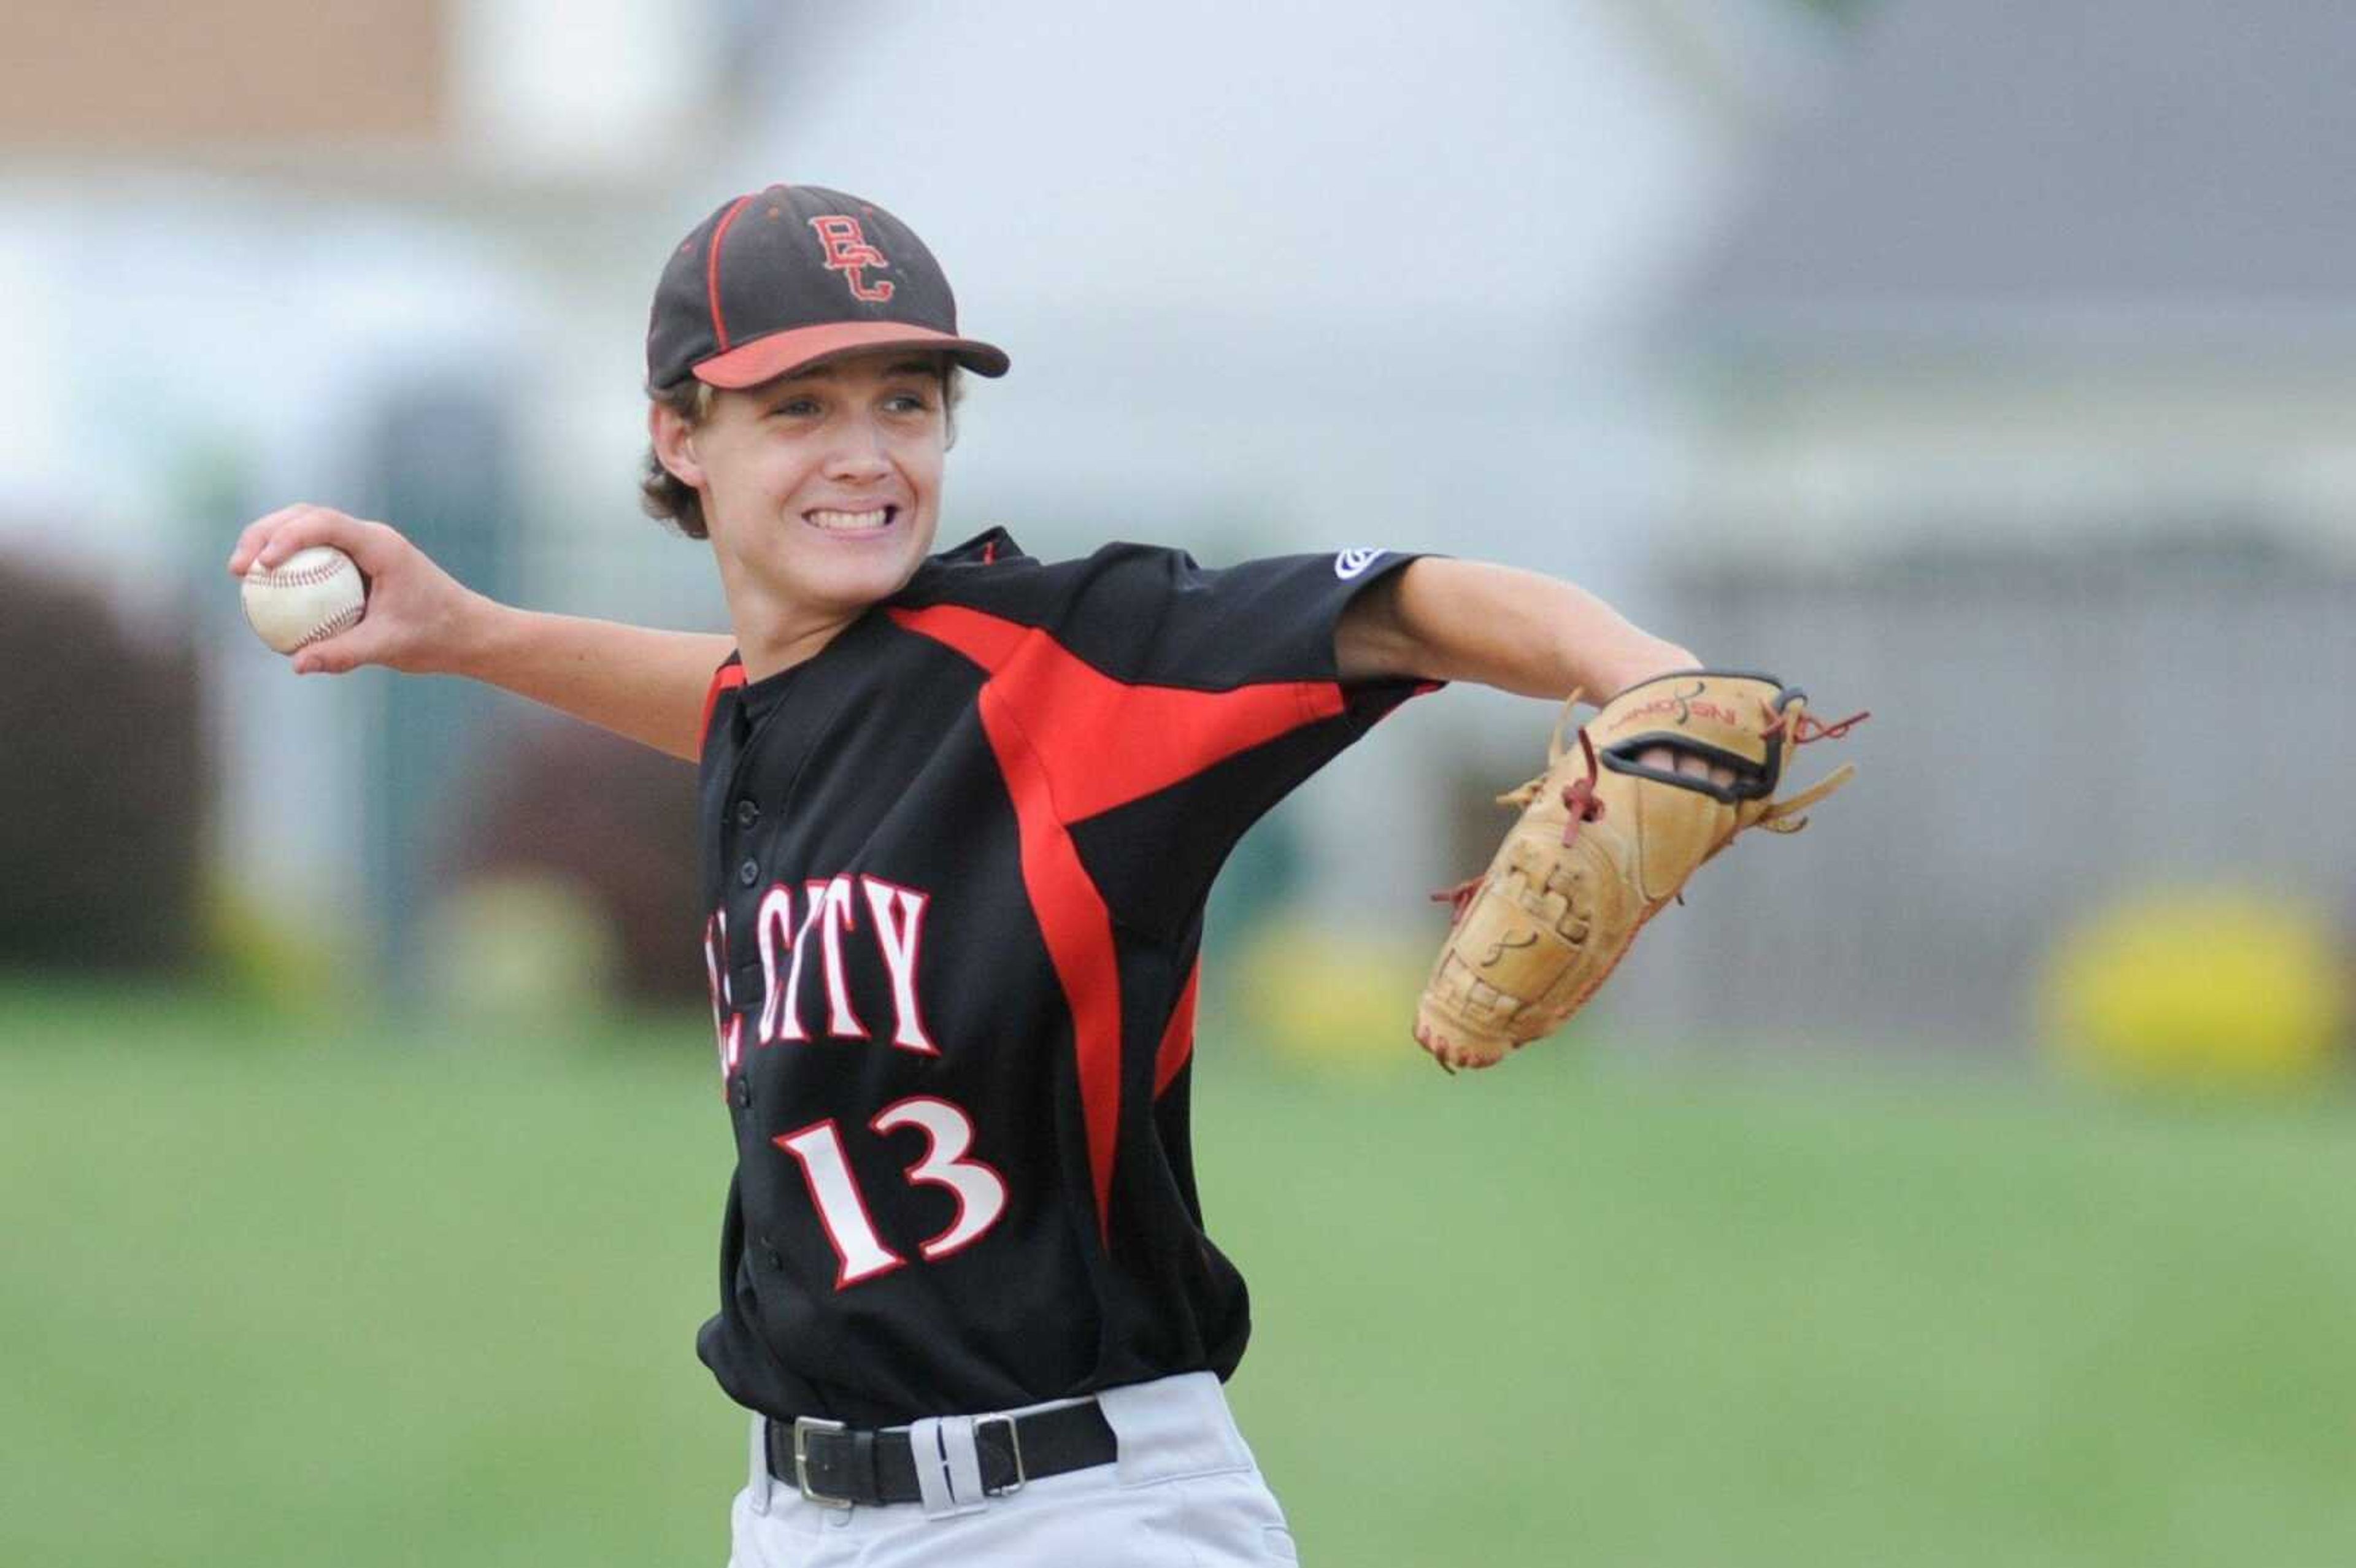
pixel 766 651
pixel 774 633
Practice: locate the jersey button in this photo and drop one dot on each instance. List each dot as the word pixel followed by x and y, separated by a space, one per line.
pixel 747 814
pixel 740 1091
pixel 749 873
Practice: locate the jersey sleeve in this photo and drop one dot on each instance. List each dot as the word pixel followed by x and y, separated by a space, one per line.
pixel 1153 615
pixel 1147 709
pixel 1235 701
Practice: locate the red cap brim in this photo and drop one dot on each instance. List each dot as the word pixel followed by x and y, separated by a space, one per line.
pixel 767 359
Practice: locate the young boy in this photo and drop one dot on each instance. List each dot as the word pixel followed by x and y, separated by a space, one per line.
pixel 960 814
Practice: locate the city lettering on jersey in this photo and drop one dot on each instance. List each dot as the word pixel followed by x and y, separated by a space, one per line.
pixel 805 934
pixel 809 935
pixel 728 1026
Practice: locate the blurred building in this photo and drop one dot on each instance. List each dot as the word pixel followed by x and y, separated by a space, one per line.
pixel 261 252
pixel 1373 283
pixel 2028 372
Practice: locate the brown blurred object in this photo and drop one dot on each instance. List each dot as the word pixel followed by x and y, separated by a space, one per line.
pixel 107 787
pixel 615 820
pixel 133 74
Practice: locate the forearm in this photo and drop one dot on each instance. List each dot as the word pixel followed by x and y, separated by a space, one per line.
pixel 1501 626
pixel 638 682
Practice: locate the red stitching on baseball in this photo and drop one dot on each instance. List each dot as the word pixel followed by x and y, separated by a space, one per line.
pixel 342 621
pixel 273 576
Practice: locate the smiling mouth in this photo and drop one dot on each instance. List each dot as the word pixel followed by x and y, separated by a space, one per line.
pixel 875 520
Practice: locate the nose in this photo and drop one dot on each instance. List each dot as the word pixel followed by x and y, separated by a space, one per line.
pixel 859 453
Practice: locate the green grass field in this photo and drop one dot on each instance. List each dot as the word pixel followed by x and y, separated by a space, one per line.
pixel 404 1301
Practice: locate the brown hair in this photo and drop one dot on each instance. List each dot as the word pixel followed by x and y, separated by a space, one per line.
pixel 669 498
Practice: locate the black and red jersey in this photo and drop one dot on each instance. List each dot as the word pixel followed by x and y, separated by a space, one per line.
pixel 955 867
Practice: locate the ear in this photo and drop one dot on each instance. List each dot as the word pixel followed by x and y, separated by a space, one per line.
pixel 674 444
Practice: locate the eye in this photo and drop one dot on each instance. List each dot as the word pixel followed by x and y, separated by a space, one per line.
pixel 910 403
pixel 796 408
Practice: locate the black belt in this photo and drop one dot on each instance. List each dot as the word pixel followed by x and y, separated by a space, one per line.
pixel 839 1466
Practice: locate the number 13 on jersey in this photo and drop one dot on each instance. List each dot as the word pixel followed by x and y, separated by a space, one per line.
pixel 979 1190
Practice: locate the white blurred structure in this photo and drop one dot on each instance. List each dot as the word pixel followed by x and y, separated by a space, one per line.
pixel 1275 276
pixel 2043 267
pixel 2028 375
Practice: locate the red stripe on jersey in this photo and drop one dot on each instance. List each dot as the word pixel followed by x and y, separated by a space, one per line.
pixel 1106 742
pixel 986 639
pixel 1178 1036
pixel 1078 933
pixel 727 678
pixel 1073 741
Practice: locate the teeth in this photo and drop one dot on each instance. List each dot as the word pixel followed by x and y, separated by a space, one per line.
pixel 874 519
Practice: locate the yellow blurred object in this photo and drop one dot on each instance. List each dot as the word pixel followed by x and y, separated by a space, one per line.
pixel 521 947
pixel 1329 1001
pixel 294 962
pixel 2200 988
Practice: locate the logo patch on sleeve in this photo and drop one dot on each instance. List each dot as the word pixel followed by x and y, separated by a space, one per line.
pixel 1351 562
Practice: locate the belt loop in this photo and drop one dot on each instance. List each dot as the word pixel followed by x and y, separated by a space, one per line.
pixel 862 1464
pixel 756 1490
pixel 948 1465
pixel 1019 1478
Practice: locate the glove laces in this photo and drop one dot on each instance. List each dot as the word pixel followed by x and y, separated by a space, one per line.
pixel 1801 735
pixel 1579 795
pixel 1579 798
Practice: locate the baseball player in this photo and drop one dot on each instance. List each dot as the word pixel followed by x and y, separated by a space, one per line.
pixel 959 813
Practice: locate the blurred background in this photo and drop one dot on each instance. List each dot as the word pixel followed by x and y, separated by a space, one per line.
pixel 1969 1178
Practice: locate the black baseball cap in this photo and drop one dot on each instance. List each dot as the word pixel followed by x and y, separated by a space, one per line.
pixel 787 276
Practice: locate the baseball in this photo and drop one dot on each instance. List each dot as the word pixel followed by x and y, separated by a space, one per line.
pixel 313 593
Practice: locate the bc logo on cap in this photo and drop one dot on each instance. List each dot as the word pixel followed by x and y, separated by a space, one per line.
pixel 847 253
pixel 1351 562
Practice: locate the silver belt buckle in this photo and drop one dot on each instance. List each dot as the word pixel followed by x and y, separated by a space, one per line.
pixel 1014 1443
pixel 803 1426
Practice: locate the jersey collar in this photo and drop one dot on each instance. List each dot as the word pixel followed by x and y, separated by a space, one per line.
pixel 985 549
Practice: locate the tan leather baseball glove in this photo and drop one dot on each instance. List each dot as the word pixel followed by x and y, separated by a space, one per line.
pixel 1604 844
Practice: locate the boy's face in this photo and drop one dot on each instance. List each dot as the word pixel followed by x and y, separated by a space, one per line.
pixel 822 488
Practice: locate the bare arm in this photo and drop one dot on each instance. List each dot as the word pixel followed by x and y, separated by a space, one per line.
pixel 633 680
pixel 644 684
pixel 1499 625
pixel 1496 625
